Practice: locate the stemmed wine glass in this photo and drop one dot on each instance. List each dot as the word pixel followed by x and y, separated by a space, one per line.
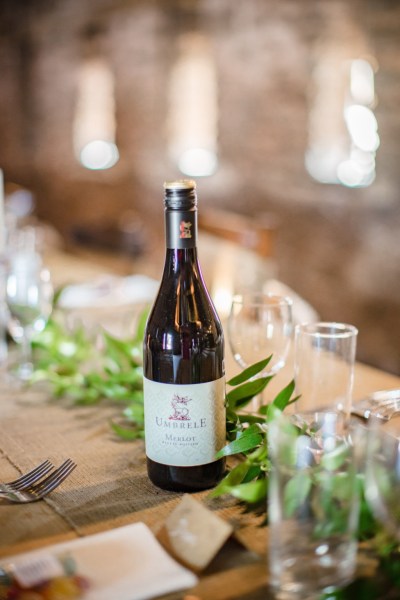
pixel 260 325
pixel 29 296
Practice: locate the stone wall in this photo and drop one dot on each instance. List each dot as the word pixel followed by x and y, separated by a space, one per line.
pixel 337 246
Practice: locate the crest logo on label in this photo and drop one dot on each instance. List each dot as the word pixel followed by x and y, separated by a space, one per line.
pixel 181 411
pixel 185 229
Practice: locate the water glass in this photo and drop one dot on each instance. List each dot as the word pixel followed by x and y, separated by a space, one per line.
pixel 324 356
pixel 313 506
pixel 382 474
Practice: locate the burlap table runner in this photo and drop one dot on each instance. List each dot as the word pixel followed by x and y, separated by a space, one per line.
pixel 109 488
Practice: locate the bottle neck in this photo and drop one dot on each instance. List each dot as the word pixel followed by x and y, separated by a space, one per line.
pixel 181 229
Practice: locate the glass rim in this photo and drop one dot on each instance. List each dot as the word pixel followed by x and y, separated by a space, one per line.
pixel 325 329
pixel 260 297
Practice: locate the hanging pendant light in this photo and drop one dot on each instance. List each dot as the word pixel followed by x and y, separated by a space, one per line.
pixel 94 124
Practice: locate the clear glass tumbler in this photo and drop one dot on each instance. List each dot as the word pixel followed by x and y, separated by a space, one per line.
pixel 382 473
pixel 324 356
pixel 313 506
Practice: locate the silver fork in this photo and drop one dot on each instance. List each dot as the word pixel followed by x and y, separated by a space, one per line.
pixel 27 479
pixel 44 487
pixel 383 404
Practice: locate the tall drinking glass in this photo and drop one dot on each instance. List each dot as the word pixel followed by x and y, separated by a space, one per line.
pixel 382 474
pixel 313 507
pixel 324 356
pixel 29 296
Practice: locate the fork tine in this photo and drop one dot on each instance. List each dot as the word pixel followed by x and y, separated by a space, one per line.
pixel 31 476
pixel 56 482
pixel 54 479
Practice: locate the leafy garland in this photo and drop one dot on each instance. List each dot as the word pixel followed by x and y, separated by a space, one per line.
pixel 88 371
pixel 111 368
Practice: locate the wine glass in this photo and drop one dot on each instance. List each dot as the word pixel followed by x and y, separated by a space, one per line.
pixel 29 296
pixel 260 325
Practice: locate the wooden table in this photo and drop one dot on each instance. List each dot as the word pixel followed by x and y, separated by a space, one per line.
pixel 110 487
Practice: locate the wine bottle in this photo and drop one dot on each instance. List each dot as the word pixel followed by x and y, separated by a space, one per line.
pixel 184 383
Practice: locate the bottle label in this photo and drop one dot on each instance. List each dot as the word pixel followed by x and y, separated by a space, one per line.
pixel 184 424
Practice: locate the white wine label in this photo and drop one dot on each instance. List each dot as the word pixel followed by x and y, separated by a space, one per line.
pixel 184 424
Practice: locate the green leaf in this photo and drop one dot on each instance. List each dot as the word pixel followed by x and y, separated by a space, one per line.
pixel 252 492
pixel 273 412
pixel 57 295
pixel 249 372
pixel 83 395
pixel 296 491
pixel 247 418
pixel 134 413
pixel 234 477
pixel 254 472
pixel 366 522
pixel 259 454
pixel 241 395
pixel 134 377
pixel 343 486
pixel 116 348
pixel 127 433
pixel 335 458
pixel 254 428
pixel 242 444
pixel 283 398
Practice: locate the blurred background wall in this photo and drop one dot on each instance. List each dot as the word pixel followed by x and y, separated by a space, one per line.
pixel 285 110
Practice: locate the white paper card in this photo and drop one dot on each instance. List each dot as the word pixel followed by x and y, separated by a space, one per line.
pixel 126 563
